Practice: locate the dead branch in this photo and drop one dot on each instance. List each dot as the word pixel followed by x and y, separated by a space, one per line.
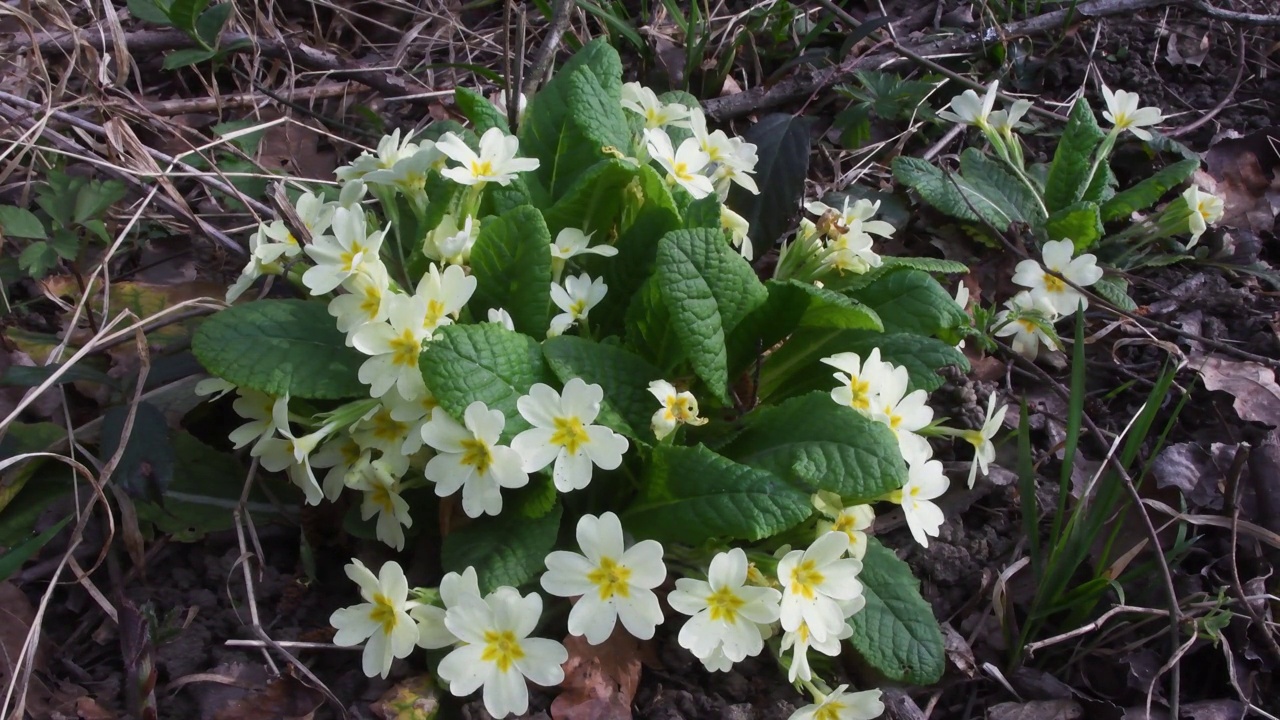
pixel 144 42
pixel 1242 18
pixel 805 83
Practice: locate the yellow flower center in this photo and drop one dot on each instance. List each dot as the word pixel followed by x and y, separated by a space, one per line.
pixel 805 579
pixel 894 419
pixel 435 313
pixel 476 453
pixel 501 649
pixel 860 393
pixel 350 258
pixel 387 428
pixel 578 308
pixel 405 349
pixel 611 579
pixel 1028 326
pixel 1053 284
pixel 829 711
pixel 481 169
pixel 371 302
pixel 680 408
pixel 681 171
pixel 569 434
pixel 844 523
pixel 724 605
pixel 381 496
pixel 384 613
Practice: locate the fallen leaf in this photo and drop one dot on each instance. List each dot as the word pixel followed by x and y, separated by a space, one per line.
pixel 1252 385
pixel 1198 473
pixel 1243 172
pixel 599 680
pixel 238 691
pixel 1213 710
pixel 1037 710
pixel 16 616
pixel 416 698
pixel 958 651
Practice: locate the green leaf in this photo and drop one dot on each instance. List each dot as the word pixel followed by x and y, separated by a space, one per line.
pixel 704 213
pixel 1115 290
pixel 782 145
pixel 29 376
pixel 66 243
pixel 151 11
pixel 206 488
pixel 707 289
pixel 912 301
pixel 768 324
pixel 649 330
pixel 578 113
pixel 183 14
pixel 502 552
pixel 20 223
pixel 794 368
pixel 951 193
pixel 594 203
pixel 831 309
pixel 183 58
pixel 1001 188
pixel 146 466
pixel 816 444
pixel 1080 223
pixel 1148 192
pixel 650 213
pixel 692 495
pixel 628 405
pixel 896 633
pixel 210 23
pixel 280 347
pixel 511 261
pixel 486 362
pixel 14 558
pixel 37 259
pixel 1069 174
pixel 476 108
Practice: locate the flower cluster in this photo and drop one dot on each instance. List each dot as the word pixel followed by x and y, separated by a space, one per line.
pixel 837 244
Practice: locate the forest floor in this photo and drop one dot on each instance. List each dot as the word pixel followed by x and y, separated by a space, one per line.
pixel 236 623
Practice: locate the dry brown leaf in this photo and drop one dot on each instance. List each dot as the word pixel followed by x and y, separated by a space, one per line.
pixel 1038 710
pixel 1257 396
pixel 599 680
pixel 16 616
pixel 1198 473
pixel 415 698
pixel 246 692
pixel 1245 173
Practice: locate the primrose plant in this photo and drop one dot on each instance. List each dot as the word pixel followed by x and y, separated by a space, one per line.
pixel 1065 207
pixel 549 351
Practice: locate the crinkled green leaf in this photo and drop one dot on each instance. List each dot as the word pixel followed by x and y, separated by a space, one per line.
pixel 1115 290
pixel 816 444
pixel 1149 191
pixel 628 405
pixel 511 261
pixel 1079 223
pixel 1069 174
pixel 704 213
pixel 16 222
pixel 911 301
pixel 503 552
pixel 1008 193
pixel 794 368
pixel 951 193
pixel 486 362
pixel 707 289
pixel 280 347
pixel 768 324
pixel 896 633
pixel 482 113
pixel 650 212
pixel 649 330
pixel 691 495
pixel 782 143
pixel 595 201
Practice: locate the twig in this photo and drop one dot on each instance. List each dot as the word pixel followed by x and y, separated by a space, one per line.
pixel 1086 629
pixel 1226 99
pixel 290 644
pixel 242 100
pixel 1232 16
pixel 547 51
pixel 1232 496
pixel 150 42
pixel 802 85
